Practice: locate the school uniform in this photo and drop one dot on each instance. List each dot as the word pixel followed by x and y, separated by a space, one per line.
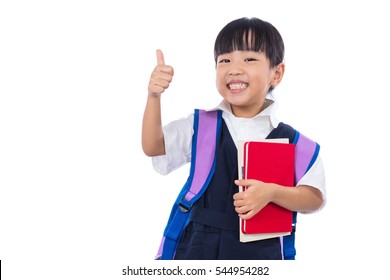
pixel 213 230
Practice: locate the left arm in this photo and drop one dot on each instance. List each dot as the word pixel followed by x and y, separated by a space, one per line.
pixel 258 194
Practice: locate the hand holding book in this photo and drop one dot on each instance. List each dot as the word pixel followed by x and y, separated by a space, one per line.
pixel 257 195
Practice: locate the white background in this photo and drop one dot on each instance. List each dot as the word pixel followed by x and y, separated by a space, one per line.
pixel 79 199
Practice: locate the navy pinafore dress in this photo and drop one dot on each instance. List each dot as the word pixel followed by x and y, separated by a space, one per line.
pixel 213 230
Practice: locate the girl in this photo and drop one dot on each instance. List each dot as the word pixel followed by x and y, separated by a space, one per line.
pixel 249 57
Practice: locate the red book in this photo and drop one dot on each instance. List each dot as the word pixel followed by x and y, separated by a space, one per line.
pixel 269 162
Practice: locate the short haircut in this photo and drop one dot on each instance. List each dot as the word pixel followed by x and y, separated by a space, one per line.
pixel 250 34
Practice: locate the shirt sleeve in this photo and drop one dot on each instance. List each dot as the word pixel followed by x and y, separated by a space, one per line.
pixel 315 177
pixel 177 141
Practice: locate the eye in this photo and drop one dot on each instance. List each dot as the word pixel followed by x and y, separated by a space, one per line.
pixel 224 60
pixel 250 59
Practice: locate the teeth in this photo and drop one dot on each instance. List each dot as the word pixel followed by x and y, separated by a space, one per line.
pixel 238 86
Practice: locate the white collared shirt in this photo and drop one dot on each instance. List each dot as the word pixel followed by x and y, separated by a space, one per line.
pixel 178 137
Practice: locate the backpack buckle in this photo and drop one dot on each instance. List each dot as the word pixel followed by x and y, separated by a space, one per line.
pixel 185 206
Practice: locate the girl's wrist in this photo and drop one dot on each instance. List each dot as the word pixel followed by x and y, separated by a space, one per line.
pixel 154 95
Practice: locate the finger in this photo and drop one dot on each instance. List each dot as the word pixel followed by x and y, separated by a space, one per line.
pixel 242 182
pixel 160 57
pixel 238 204
pixel 245 182
pixel 242 210
pixel 247 215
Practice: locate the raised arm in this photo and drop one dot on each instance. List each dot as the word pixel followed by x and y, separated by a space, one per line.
pixel 152 134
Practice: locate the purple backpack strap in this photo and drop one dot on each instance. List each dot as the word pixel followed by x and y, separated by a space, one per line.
pixel 203 151
pixel 306 152
pixel 206 129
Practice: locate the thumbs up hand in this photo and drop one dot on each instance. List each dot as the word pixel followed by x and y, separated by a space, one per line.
pixel 161 76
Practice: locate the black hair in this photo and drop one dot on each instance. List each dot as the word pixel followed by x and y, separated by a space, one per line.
pixel 250 34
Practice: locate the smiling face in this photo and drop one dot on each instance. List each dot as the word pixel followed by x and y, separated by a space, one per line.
pixel 249 55
pixel 244 78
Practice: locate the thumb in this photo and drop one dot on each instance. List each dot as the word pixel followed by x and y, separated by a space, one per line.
pixel 239 183
pixel 160 57
pixel 244 182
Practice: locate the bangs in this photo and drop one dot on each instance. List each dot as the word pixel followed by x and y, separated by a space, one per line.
pixel 239 39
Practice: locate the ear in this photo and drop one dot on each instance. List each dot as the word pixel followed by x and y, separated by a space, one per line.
pixel 278 75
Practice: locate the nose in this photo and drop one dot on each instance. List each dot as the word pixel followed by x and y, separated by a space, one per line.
pixel 236 69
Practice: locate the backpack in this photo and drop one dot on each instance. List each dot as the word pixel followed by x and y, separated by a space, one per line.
pixel 207 126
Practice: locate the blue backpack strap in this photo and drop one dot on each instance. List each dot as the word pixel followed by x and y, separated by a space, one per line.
pixel 206 128
pixel 306 153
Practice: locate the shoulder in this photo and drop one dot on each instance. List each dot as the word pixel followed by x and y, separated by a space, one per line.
pixel 283 131
pixel 179 127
